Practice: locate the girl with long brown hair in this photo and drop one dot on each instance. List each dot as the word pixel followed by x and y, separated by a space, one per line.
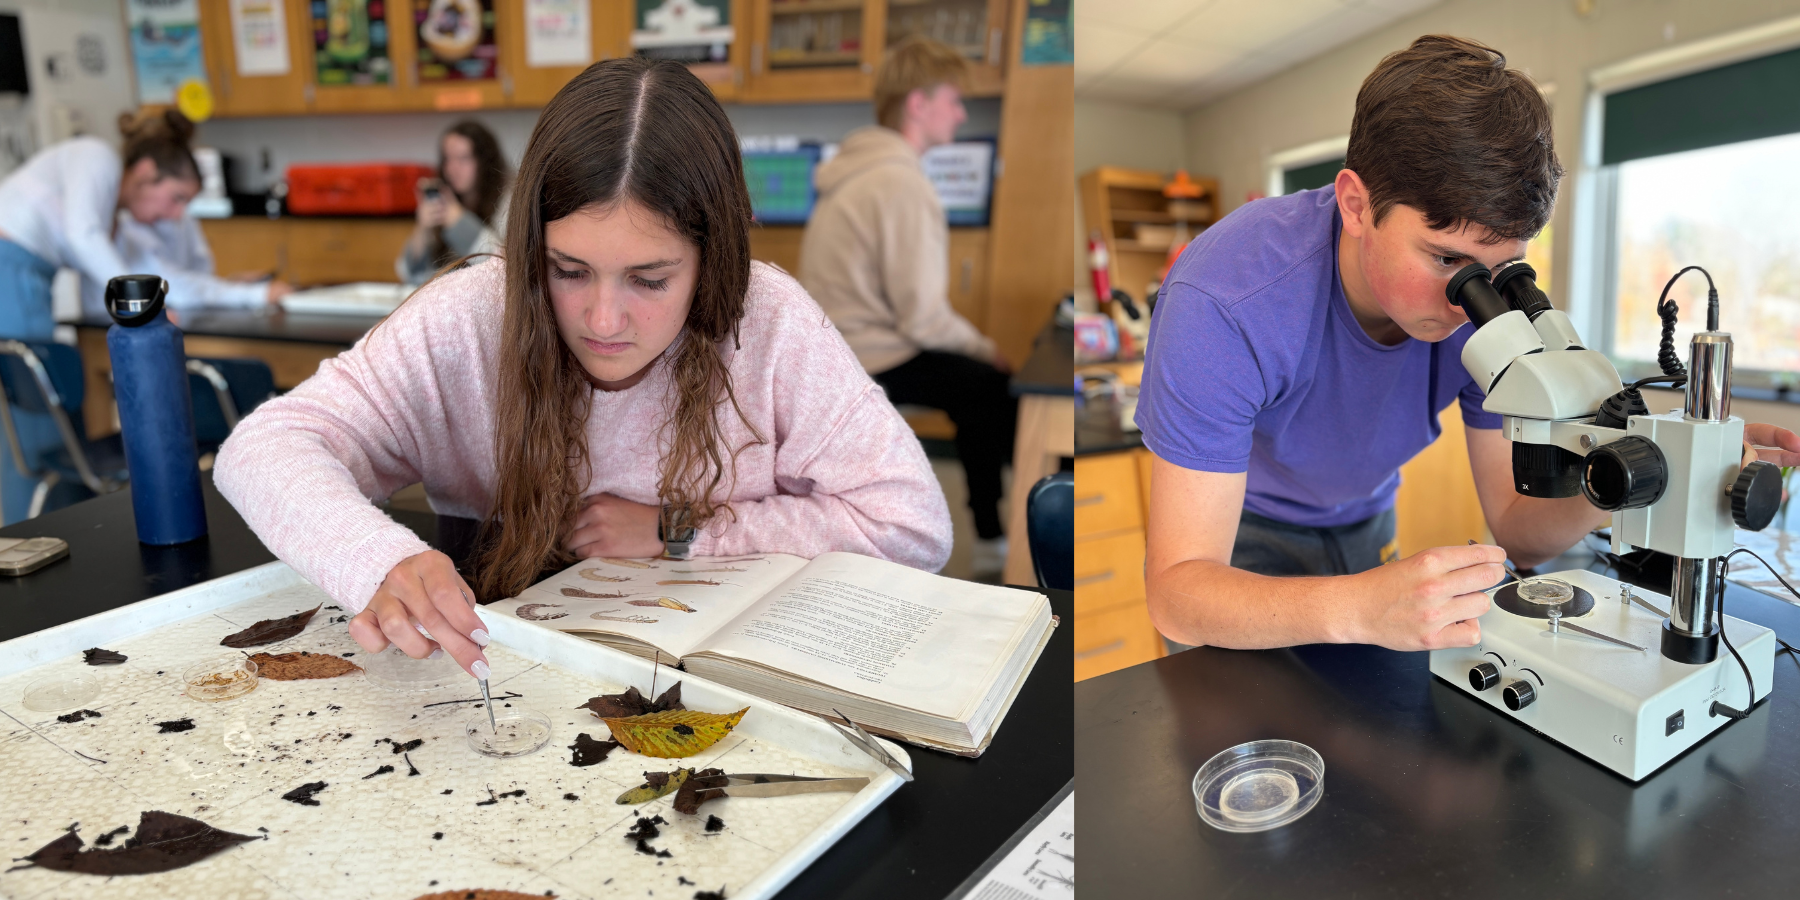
pixel 464 210
pixel 623 368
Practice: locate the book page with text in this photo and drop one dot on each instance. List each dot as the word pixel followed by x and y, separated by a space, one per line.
pixel 669 604
pixel 880 629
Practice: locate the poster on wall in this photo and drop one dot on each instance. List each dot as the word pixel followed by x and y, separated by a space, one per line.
pixel 557 33
pixel 456 39
pixel 1049 33
pixel 350 42
pixel 259 37
pixel 165 46
pixel 962 173
pixel 696 32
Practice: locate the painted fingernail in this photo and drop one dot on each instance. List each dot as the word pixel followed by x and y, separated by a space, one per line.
pixel 480 668
pixel 422 629
pixel 479 636
pixel 436 653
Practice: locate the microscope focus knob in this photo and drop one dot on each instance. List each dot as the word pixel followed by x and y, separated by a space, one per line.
pixel 1518 695
pixel 1756 495
pixel 1483 676
pixel 1629 473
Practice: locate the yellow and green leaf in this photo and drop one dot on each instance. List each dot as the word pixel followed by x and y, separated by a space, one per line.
pixel 650 790
pixel 674 734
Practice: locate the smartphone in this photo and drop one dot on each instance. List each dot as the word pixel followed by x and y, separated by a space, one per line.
pixel 434 190
pixel 22 556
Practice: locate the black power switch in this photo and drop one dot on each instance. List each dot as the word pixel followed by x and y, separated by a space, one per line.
pixel 1675 722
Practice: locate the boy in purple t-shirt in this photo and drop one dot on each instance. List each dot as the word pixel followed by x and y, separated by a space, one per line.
pixel 1301 352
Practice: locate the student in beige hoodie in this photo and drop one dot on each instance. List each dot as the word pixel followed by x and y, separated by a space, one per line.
pixel 876 257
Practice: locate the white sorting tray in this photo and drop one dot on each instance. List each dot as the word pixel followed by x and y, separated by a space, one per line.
pixel 393 835
pixel 362 298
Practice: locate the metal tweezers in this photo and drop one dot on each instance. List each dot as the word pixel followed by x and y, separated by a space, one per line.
pixel 856 735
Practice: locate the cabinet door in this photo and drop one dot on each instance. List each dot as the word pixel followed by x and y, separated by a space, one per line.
pixel 344 26
pixel 535 85
pixel 441 94
pixel 236 94
pixel 812 50
pixel 976 28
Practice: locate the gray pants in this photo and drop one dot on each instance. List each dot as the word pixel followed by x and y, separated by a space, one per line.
pixel 1268 547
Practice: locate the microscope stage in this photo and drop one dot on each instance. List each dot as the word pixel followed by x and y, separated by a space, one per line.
pixel 1628 710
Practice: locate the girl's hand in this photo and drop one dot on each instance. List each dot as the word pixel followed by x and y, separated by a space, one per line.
pixel 613 526
pixel 1769 436
pixel 424 590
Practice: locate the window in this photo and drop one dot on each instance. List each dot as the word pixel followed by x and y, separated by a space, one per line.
pixel 1730 209
pixel 1692 157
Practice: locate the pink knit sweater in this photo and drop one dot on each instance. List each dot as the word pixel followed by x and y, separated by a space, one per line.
pixel 414 402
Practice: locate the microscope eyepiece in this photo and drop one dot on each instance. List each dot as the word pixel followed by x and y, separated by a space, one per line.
pixel 1517 282
pixel 1470 289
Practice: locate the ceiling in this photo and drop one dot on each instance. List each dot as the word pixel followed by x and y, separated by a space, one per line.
pixel 1181 54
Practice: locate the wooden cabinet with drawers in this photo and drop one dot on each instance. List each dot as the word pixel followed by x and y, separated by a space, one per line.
pixel 1112 624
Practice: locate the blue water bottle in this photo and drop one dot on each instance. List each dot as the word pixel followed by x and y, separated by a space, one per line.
pixel 156 412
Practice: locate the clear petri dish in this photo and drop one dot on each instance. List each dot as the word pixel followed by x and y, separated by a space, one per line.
pixel 1546 591
pixel 393 670
pixel 220 678
pixel 1259 785
pixel 61 693
pixel 515 731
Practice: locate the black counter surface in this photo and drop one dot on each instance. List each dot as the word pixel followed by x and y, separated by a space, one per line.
pixel 264 325
pixel 1428 792
pixel 920 843
pixel 1050 369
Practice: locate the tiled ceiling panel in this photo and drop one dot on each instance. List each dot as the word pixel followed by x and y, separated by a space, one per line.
pixel 1181 55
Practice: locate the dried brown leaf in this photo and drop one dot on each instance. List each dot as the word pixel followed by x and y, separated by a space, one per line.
pixel 268 631
pixel 302 666
pixel 164 842
pixel 706 784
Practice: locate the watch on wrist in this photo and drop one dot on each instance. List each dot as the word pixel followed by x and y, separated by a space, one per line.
pixel 673 528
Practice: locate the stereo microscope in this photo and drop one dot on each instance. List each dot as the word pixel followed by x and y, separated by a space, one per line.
pixel 1628 679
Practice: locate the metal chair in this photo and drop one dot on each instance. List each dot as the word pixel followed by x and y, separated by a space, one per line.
pixel 1050 527
pixel 47 379
pixel 224 391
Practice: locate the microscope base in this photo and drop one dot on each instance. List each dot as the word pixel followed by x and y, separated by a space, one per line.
pixel 1627 710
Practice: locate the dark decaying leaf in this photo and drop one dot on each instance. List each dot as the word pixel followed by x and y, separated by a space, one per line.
pixel 632 703
pixel 714 824
pixel 645 829
pixel 176 725
pixel 268 631
pixel 164 842
pixel 589 751
pixel 710 895
pixel 707 784
pixel 303 794
pixel 77 716
pixel 99 657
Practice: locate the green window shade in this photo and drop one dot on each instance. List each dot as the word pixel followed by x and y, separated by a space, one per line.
pixel 1306 178
pixel 1756 98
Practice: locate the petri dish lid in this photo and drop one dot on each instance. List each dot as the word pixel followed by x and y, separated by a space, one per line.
pixel 515 731
pixel 393 670
pixel 1546 591
pixel 1259 785
pixel 61 693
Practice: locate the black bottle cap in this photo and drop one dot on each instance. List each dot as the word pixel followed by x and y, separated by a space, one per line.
pixel 134 300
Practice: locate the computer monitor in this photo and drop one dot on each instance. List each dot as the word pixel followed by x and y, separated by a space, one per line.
pixel 781 184
pixel 963 173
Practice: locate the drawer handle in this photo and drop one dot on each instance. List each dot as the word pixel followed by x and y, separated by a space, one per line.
pixel 1090 501
pixel 1094 579
pixel 1102 649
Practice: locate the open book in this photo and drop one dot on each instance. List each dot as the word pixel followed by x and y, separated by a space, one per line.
pixel 929 660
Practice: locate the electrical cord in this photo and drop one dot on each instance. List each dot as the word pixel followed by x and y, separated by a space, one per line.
pixel 1674 381
pixel 1785 647
pixel 1666 309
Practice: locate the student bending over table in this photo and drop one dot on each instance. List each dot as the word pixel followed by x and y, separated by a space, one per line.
pixel 624 365
pixel 1302 351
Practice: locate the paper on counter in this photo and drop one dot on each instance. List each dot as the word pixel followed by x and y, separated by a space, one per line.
pixel 1040 865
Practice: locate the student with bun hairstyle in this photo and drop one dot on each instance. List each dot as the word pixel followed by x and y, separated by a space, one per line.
pixel 623 365
pixel 61 209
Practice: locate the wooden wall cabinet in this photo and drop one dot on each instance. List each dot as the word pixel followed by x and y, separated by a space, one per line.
pixel 256 95
pixel 977 28
pixel 1123 203
pixel 813 50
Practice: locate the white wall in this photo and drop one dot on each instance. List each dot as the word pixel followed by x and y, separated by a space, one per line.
pixel 1232 137
pixel 412 136
pixel 1111 134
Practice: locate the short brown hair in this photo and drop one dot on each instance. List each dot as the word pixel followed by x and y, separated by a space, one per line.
pixel 916 63
pixel 1447 129
pixel 161 136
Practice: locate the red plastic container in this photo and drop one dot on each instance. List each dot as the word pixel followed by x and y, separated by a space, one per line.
pixel 357 189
